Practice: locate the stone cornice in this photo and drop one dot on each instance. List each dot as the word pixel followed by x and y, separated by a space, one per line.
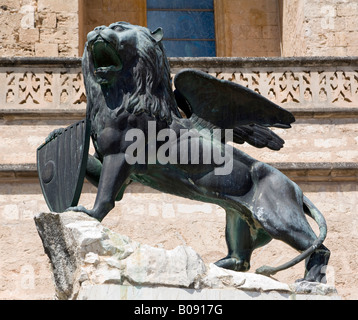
pixel 40 62
pixel 201 62
pixel 39 115
pixel 319 171
pixel 263 62
pixel 297 171
pixel 10 115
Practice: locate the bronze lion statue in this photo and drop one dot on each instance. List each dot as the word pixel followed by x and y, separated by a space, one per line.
pixel 131 100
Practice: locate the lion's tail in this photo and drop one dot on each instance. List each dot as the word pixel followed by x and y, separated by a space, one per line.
pixel 313 212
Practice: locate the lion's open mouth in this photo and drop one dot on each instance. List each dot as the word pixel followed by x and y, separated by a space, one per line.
pixel 106 60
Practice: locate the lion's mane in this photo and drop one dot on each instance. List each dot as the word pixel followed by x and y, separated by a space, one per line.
pixel 143 86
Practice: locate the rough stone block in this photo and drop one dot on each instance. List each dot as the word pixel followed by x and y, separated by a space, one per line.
pixel 57 6
pixel 48 20
pixel 91 262
pixel 29 35
pixel 347 8
pixel 46 50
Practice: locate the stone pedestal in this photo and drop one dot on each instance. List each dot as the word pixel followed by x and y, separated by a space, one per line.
pixel 90 261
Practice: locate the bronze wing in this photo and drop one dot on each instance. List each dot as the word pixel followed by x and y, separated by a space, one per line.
pixel 228 105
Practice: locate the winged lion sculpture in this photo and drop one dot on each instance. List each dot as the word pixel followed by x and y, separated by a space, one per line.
pixel 130 100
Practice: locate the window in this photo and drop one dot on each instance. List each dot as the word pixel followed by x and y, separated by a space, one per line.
pixel 188 25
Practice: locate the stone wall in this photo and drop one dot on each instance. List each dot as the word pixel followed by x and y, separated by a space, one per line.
pixel 293 39
pixel 243 27
pixel 320 154
pixel 95 13
pixel 247 28
pixel 320 28
pixel 41 28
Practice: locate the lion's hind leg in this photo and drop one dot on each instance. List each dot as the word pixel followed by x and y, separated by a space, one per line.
pixel 240 243
pixel 280 206
pixel 317 262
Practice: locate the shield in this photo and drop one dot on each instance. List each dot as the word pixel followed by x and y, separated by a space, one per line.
pixel 61 166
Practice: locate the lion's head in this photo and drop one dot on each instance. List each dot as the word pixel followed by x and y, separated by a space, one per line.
pixel 126 66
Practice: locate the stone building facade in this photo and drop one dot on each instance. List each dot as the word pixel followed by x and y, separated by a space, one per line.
pixel 39 28
pixel 301 54
pixel 243 28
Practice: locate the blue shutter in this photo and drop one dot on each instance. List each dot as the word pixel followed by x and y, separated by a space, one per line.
pixel 188 26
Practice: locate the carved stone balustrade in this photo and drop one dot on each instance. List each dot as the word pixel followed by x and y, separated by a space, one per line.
pixel 290 82
pixel 295 83
pixel 41 83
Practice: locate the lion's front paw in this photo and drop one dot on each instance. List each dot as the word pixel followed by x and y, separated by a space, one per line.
pixel 91 213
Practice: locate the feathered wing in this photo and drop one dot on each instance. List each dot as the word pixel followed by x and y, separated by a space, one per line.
pixel 228 105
